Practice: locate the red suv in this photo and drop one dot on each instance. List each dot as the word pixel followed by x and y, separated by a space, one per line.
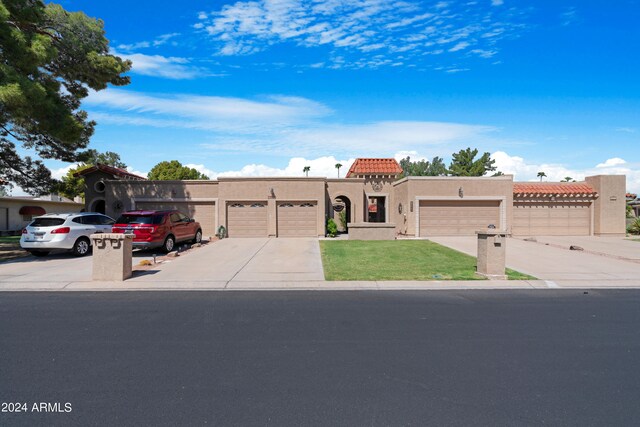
pixel 162 229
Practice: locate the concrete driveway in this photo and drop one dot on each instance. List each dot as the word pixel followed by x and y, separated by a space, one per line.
pixel 604 262
pixel 216 265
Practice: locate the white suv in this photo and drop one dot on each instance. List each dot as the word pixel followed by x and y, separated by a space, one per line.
pixel 69 231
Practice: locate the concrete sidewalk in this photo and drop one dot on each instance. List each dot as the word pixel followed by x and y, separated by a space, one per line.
pixel 557 265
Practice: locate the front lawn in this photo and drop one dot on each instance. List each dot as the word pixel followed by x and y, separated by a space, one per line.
pixel 398 260
pixel 10 239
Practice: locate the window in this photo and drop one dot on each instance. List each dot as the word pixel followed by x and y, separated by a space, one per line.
pixel 286 205
pixel 257 205
pixel 27 217
pixel 175 217
pixel 237 205
pixel 183 218
pixel 99 187
pixel 307 205
pixel 47 222
pixel 105 220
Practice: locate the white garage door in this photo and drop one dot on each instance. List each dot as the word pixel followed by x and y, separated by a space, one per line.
pixel 203 212
pixel 457 217
pixel 247 219
pixel 551 219
pixel 297 219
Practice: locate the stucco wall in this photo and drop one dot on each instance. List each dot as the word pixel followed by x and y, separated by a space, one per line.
pixel 448 188
pixel 609 207
pixel 127 193
pixel 11 220
pixel 401 197
pixel 351 188
pixel 284 189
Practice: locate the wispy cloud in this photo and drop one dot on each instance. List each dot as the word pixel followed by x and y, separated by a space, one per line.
pixel 371 33
pixel 626 130
pixel 169 67
pixel 273 124
pixel 157 42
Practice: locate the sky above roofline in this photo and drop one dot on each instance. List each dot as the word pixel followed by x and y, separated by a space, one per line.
pixel 257 88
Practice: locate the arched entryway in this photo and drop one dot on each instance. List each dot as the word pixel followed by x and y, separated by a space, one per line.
pixel 99 206
pixel 342 212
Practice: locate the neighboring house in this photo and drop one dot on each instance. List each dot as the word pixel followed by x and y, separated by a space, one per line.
pixel 17 212
pixel 371 193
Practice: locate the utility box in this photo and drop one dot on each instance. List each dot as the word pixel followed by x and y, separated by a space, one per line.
pixel 112 256
pixel 491 254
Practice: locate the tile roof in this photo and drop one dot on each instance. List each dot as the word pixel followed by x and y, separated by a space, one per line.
pixel 110 170
pixel 552 188
pixel 374 167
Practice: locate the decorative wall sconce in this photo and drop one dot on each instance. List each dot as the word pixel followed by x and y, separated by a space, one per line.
pixel 460 192
pixel 272 194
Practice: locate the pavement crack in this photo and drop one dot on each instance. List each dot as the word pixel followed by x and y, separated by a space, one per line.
pixel 248 261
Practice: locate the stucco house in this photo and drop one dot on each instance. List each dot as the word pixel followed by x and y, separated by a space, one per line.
pixel 17 212
pixel 374 198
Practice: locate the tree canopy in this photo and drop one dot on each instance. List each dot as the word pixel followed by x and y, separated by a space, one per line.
pixel 464 163
pixel 49 61
pixel 174 170
pixel 435 167
pixel 73 186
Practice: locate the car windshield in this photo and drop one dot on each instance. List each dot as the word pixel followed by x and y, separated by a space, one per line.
pixel 139 219
pixel 46 222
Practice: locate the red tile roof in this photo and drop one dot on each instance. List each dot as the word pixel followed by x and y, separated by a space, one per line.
pixel 374 167
pixel 110 170
pixel 552 188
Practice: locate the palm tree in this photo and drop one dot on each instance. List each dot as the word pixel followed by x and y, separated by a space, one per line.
pixel 567 179
pixel 541 175
pixel 306 170
pixel 338 166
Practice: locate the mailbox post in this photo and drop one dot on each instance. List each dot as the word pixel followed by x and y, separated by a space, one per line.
pixel 491 254
pixel 112 256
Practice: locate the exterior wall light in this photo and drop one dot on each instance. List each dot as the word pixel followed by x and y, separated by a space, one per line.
pixel 460 192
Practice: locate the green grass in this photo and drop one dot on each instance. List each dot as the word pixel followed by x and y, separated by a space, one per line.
pixel 398 260
pixel 9 239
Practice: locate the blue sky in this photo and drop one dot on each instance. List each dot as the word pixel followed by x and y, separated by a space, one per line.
pixel 267 87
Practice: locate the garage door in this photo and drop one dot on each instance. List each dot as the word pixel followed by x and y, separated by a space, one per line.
pixel 297 219
pixel 247 219
pixel 457 217
pixel 551 219
pixel 203 212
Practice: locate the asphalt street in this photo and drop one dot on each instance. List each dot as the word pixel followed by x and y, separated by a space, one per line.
pixel 545 357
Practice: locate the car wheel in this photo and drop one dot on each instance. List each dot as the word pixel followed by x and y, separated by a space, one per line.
pixel 81 247
pixel 198 237
pixel 169 243
pixel 39 253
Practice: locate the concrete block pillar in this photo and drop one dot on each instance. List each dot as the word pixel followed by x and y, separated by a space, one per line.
pixel 272 217
pixel 112 256
pixel 491 254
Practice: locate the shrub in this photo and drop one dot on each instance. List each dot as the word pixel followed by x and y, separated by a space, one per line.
pixel 634 227
pixel 332 228
pixel 342 216
pixel 629 211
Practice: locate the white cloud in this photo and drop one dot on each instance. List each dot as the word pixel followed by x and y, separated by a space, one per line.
pixel 58 173
pixel 360 28
pixel 162 66
pixel 497 2
pixel 321 166
pixel 616 161
pixel 524 171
